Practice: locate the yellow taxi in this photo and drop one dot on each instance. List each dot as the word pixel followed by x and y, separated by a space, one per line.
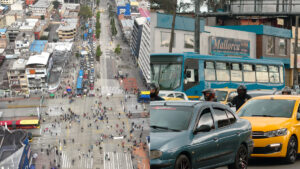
pixel 275 123
pixel 225 95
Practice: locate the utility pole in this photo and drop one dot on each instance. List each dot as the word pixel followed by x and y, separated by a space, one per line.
pixel 197 27
pixel 295 53
pixel 173 25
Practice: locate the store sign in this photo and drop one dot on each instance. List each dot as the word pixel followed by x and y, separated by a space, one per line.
pixel 228 46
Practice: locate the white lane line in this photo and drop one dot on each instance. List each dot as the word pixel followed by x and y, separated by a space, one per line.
pixel 118 160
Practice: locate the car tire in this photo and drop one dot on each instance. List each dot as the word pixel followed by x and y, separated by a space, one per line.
pixel 292 149
pixel 183 162
pixel 241 159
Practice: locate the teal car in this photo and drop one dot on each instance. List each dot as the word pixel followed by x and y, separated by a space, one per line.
pixel 193 134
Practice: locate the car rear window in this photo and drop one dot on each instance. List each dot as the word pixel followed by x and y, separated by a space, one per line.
pixel 177 118
pixel 267 108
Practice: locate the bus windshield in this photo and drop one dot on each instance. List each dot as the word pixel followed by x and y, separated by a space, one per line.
pixel 168 76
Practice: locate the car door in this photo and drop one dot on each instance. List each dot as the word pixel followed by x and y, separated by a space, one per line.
pixel 228 133
pixel 204 144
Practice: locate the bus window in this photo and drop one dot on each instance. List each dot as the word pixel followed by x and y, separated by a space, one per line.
pixel 236 73
pixel 262 73
pixel 222 71
pixel 209 71
pixel 249 73
pixel 281 74
pixel 273 74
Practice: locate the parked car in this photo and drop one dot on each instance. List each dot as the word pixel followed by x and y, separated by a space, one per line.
pixel 197 135
pixel 256 93
pixel 172 95
pixel 275 124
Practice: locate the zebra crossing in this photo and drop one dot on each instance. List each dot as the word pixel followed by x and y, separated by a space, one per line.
pixel 83 162
pixel 117 160
pixel 111 89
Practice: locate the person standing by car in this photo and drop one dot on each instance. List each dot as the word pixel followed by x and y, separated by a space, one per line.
pixel 286 91
pixel 154 90
pixel 241 98
pixel 209 95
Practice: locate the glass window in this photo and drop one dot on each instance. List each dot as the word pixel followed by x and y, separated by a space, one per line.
pixel 298 49
pixel 179 95
pixel 168 76
pixel 222 71
pixel 231 117
pixel 282 47
pixel 189 41
pixel 221 95
pixel 206 119
pixel 209 71
pixel 274 74
pixel 236 73
pixel 170 95
pixel 281 74
pixel 221 118
pixel 249 73
pixel 270 45
pixel 267 108
pixel 262 73
pixel 165 39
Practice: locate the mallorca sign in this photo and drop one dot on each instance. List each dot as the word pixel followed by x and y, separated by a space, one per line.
pixel 229 47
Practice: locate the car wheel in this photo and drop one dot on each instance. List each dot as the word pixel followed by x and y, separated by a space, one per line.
pixel 292 150
pixel 183 162
pixel 241 159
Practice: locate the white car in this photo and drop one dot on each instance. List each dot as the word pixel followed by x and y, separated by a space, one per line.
pixel 173 94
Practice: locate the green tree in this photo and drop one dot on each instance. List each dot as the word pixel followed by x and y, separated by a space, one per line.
pixel 98 2
pixel 118 49
pixel 56 4
pixel 85 11
pixel 110 10
pixel 98 53
pixel 113 28
pixel 98 15
pixel 98 25
pixel 43 17
pixel 77 54
pixel 98 31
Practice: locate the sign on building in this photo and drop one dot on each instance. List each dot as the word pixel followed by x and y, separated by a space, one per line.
pixel 229 46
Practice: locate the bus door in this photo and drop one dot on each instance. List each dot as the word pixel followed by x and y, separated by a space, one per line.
pixel 13 125
pixel 191 76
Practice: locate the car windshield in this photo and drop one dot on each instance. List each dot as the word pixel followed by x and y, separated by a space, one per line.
pixel 170 118
pixel 268 108
pixel 161 94
pixel 221 95
pixel 168 76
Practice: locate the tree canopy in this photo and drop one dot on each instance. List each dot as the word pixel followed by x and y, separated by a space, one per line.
pixel 85 11
pixel 56 4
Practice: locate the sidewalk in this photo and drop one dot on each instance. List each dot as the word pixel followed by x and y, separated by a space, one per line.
pixel 142 157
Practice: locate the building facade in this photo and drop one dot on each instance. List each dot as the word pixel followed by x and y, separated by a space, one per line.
pixel 37 72
pixel 144 52
pixel 7 2
pixel 136 35
pixel 17 77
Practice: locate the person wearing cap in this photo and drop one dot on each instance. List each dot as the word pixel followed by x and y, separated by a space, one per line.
pixel 286 91
pixel 209 95
pixel 154 90
pixel 241 98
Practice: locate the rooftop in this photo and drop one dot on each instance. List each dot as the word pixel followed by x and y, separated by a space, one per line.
pixel 141 20
pixel 39 59
pixel 18 64
pixel 38 46
pixel 144 12
pixel 41 4
pixel 127 23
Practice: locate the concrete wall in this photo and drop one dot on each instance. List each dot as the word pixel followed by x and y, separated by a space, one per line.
pixel 204 40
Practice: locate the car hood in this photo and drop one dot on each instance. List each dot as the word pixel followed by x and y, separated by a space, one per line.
pixel 268 123
pixel 167 140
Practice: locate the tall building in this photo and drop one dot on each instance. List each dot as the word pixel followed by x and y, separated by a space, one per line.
pixel 144 52
pixel 136 35
pixel 17 78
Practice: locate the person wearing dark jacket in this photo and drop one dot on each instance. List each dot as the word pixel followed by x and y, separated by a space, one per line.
pixel 241 98
pixel 154 90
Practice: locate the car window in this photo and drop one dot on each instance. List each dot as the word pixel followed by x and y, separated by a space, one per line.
pixel 231 96
pixel 231 117
pixel 179 95
pixel 206 119
pixel 221 117
pixel 170 95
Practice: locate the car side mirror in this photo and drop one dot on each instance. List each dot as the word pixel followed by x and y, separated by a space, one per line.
pixel 203 128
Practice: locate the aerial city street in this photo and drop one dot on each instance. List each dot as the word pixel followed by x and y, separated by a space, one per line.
pixel 77 94
pixel 224 85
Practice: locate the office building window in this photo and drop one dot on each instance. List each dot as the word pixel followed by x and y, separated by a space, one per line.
pixel 282 47
pixel 189 41
pixel 270 45
pixel 165 39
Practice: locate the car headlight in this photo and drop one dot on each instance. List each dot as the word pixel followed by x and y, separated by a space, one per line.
pixel 155 154
pixel 275 133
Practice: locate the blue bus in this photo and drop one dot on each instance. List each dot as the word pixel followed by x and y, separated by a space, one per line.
pixel 191 73
pixel 79 82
